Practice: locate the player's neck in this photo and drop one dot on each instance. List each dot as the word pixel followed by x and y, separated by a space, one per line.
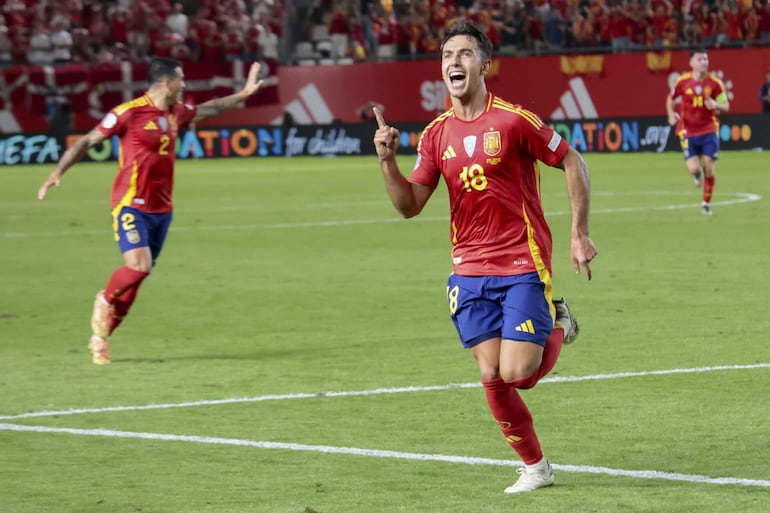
pixel 471 108
pixel 699 75
pixel 158 98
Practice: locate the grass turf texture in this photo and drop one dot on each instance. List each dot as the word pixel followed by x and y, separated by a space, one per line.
pixel 296 276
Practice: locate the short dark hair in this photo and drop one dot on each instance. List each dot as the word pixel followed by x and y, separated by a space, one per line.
pixel 160 68
pixel 463 27
pixel 697 50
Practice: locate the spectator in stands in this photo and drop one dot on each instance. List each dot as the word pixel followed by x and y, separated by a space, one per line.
pixel 178 21
pixel 82 50
pixel 19 43
pixel 511 31
pixel 233 41
pixel 193 44
pixel 40 50
pixel 117 19
pixel 268 40
pixel 213 45
pixel 555 28
pixel 620 29
pixel 751 26
pixel 99 29
pixel 339 31
pixel 251 42
pixel 6 58
pixel 61 40
pixel 138 30
pixel 734 17
pixel 370 36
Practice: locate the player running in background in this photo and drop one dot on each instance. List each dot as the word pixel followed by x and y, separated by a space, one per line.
pixel 703 97
pixel 147 128
pixel 500 293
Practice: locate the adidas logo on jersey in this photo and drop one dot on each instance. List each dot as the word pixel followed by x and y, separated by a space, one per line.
pixel 449 153
pixel 151 126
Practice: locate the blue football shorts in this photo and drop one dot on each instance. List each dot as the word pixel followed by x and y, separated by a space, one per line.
pixel 697 145
pixel 511 307
pixel 136 229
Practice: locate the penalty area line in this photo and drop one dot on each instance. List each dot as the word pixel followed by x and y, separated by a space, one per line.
pixel 374 453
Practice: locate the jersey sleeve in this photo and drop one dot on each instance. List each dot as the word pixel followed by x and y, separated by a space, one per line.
pixel 114 124
pixel 185 112
pixel 540 140
pixel 426 171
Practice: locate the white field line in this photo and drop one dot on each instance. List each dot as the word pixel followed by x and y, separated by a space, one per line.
pixel 374 453
pixel 741 197
pixel 376 391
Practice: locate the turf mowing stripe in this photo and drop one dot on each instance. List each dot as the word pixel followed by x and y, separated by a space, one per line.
pixel 377 391
pixel 373 453
pixel 743 197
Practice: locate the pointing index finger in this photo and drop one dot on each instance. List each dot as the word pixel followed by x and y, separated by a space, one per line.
pixel 378 116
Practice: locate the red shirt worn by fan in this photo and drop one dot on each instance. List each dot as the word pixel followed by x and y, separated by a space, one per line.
pixel 147 135
pixel 490 166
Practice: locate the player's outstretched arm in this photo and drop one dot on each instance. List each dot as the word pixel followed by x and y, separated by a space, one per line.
pixel 673 117
pixel 71 156
pixel 219 105
pixel 408 198
pixel 582 247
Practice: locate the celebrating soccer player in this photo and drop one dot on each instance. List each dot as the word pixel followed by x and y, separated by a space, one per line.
pixel 500 293
pixel 703 97
pixel 147 128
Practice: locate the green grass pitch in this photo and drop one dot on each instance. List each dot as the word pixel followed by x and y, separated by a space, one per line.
pixel 292 351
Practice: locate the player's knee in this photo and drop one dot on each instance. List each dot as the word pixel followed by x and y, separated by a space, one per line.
pixel 518 370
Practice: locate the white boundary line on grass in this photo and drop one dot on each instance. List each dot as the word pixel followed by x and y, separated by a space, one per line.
pixel 639 474
pixel 373 453
pixel 742 197
pixel 376 391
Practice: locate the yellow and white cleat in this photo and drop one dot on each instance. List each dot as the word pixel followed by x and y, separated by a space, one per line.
pixel 100 350
pixel 101 316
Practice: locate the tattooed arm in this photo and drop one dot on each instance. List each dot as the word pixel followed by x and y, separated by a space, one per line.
pixel 219 105
pixel 73 155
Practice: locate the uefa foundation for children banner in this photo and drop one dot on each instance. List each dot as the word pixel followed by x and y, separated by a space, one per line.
pixel 611 135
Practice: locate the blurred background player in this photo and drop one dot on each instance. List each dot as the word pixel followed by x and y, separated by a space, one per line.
pixel 500 292
pixel 764 93
pixel 703 97
pixel 147 128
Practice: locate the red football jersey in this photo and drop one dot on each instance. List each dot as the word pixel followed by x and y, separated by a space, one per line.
pixel 490 166
pixel 696 118
pixel 147 135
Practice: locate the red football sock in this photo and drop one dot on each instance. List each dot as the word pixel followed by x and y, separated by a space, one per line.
pixel 514 419
pixel 122 306
pixel 553 345
pixel 121 292
pixel 708 187
pixel 123 279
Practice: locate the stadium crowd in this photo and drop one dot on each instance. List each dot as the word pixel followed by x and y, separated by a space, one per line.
pixel 53 32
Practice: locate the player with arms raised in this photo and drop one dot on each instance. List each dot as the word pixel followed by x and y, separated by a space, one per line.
pixel 703 97
pixel 500 292
pixel 147 128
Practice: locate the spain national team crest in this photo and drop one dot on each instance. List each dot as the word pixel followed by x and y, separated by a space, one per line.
pixel 163 123
pixel 492 143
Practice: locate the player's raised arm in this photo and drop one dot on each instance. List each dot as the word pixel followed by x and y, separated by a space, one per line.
pixel 72 156
pixel 219 105
pixel 408 198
